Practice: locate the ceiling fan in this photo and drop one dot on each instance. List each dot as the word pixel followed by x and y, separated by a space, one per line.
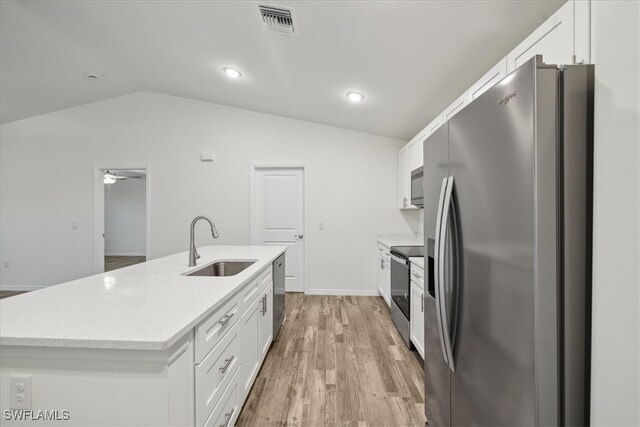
pixel 110 178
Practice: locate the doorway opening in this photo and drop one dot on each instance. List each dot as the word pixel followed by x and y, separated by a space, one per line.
pixel 121 217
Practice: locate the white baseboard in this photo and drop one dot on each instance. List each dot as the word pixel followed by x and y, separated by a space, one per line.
pixel 125 254
pixel 26 288
pixel 344 292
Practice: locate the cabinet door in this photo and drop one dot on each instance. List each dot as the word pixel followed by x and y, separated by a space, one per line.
pixel 491 77
pixel 432 127
pixel 387 281
pixel 380 271
pixel 455 107
pixel 415 157
pixel 553 40
pixel 417 318
pixel 265 334
pixel 249 348
pixel 404 178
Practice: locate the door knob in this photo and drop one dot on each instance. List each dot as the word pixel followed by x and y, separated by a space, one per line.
pixel 298 236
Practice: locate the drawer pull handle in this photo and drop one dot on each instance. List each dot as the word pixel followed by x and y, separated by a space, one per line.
pixel 227 363
pixel 225 319
pixel 227 418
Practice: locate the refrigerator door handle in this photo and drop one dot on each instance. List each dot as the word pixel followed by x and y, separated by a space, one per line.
pixel 436 265
pixel 444 310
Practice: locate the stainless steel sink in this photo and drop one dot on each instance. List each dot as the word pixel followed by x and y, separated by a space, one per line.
pixel 222 268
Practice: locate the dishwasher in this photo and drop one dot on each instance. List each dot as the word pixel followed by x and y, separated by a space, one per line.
pixel 278 294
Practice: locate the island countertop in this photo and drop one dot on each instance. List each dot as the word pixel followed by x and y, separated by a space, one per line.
pixel 147 306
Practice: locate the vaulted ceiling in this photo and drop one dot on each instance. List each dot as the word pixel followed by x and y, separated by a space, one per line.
pixel 409 58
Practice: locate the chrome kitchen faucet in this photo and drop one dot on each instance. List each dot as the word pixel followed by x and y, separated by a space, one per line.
pixel 193 253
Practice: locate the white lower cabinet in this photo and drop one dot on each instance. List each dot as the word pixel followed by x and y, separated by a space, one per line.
pixel 417 318
pixel 384 273
pixel 416 321
pixel 228 409
pixel 257 327
pixel 215 373
pixel 265 331
pixel 244 327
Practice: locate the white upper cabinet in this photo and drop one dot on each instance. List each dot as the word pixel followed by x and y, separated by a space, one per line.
pixel 431 128
pixel 553 40
pixel 404 179
pixel 455 107
pixel 415 155
pixel 582 31
pixel 491 77
pixel 562 39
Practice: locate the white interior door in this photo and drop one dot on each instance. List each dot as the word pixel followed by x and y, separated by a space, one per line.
pixel 278 217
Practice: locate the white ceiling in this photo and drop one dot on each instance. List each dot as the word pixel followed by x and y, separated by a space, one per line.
pixel 409 58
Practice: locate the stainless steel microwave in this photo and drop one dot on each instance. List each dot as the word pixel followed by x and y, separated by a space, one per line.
pixel 417 188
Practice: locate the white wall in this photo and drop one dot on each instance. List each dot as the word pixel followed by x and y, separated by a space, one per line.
pixel 352 179
pixel 125 217
pixel 616 276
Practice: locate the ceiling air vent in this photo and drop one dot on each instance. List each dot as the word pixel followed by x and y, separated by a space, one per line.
pixel 276 18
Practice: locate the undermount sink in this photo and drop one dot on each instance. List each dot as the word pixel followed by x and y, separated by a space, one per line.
pixel 222 268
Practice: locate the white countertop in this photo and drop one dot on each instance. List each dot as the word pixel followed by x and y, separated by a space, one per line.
pixel 417 260
pixel 389 240
pixel 147 306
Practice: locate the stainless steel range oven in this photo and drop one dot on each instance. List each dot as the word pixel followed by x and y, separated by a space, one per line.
pixel 400 287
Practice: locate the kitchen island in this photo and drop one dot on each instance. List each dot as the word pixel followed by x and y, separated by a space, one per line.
pixel 144 345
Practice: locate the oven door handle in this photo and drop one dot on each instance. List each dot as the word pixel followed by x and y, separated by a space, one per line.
pixel 399 260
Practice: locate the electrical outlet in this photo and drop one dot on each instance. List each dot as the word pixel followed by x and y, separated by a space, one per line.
pixel 74 225
pixel 321 226
pixel 6 263
pixel 20 391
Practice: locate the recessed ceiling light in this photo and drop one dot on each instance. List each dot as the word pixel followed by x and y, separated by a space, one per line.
pixel 355 96
pixel 232 72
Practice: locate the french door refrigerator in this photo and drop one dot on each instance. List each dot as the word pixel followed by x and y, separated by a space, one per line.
pixel 507 208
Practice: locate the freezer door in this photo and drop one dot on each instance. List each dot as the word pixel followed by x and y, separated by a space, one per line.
pixel 437 386
pixel 491 156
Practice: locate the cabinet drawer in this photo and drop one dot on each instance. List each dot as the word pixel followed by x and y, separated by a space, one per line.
pixel 251 291
pixel 215 373
pixel 227 411
pixel 384 251
pixel 214 327
pixel 266 276
pixel 417 275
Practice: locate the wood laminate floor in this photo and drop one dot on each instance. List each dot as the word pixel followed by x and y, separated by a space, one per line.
pixel 115 262
pixel 338 361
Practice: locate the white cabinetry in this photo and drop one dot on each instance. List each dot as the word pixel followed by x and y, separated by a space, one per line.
pixel 404 179
pixel 415 156
pixel 257 333
pixel 491 77
pixel 416 321
pixel 239 335
pixel 553 40
pixel 384 273
pixel 455 107
pixel 265 332
pixel 409 158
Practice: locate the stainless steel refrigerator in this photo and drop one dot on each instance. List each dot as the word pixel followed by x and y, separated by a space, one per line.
pixel 507 213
